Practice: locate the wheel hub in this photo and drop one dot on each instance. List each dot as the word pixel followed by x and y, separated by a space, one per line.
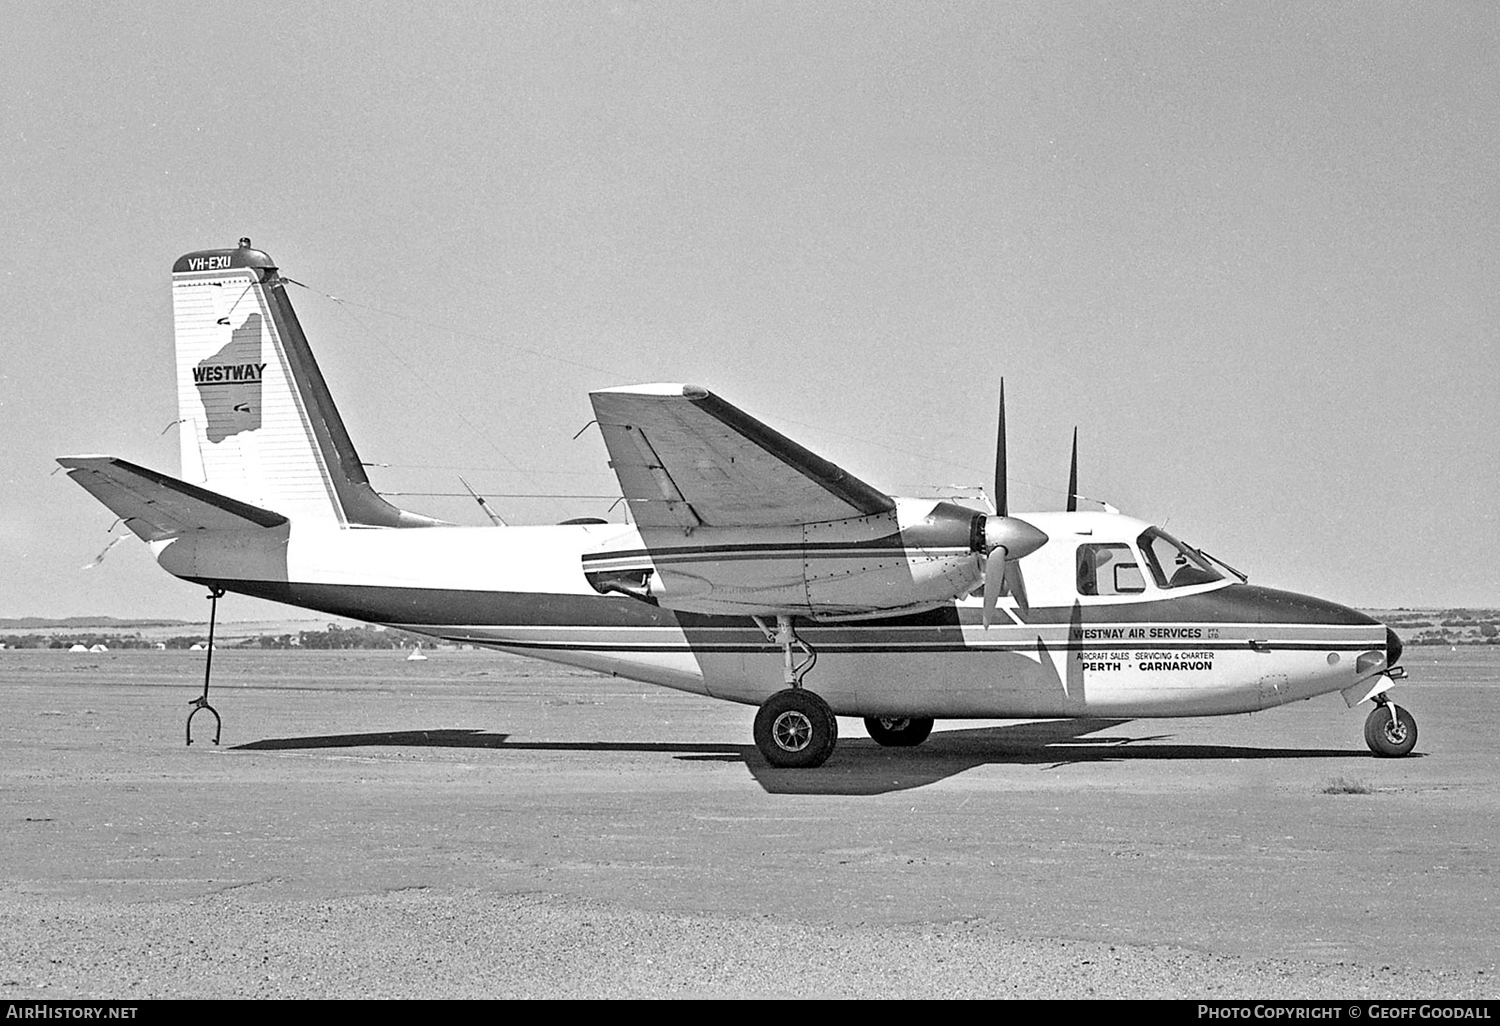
pixel 792 731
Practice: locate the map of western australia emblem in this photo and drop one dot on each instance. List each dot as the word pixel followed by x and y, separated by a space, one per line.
pixel 229 383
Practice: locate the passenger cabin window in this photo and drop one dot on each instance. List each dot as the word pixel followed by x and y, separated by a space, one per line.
pixel 1173 564
pixel 1109 570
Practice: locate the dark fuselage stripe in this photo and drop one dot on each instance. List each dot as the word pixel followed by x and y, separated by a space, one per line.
pixel 478 638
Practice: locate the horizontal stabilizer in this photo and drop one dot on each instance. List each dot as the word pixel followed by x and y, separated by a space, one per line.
pixel 157 507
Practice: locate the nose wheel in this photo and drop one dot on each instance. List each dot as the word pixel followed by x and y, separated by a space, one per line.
pixel 1390 730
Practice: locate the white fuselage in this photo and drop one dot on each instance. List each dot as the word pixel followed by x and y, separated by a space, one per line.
pixel 1216 648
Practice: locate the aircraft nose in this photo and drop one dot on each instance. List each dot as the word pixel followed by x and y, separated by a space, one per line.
pixel 1393 647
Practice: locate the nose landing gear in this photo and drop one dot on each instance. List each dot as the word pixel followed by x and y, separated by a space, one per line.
pixel 1390 730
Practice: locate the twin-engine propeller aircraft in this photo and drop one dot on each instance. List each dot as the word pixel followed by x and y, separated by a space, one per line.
pixel 755 571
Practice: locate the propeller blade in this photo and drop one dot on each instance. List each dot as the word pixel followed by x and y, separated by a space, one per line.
pixel 1073 477
pixel 1002 502
pixel 994 582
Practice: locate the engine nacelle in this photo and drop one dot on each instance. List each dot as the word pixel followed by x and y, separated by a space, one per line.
pixel 919 556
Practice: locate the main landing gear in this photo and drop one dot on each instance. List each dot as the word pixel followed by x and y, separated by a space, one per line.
pixel 1390 730
pixel 794 729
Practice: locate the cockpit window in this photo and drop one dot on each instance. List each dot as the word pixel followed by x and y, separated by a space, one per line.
pixel 1109 570
pixel 1223 567
pixel 1173 564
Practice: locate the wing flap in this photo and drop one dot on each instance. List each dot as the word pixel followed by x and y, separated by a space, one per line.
pixel 684 458
pixel 156 506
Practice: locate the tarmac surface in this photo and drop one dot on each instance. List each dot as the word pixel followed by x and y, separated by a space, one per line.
pixel 479 825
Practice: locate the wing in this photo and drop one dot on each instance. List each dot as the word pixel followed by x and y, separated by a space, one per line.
pixel 686 458
pixel 156 506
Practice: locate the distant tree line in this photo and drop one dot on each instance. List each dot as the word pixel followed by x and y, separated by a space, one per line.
pixel 87 641
pixel 340 637
pixel 333 637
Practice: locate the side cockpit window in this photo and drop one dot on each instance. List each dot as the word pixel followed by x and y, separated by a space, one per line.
pixel 1173 564
pixel 1109 570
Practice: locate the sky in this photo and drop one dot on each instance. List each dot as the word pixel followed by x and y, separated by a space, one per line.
pixel 1249 250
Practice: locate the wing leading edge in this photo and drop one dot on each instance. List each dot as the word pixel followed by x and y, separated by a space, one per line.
pixel 686 458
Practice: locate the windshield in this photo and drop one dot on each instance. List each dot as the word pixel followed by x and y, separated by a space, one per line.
pixel 1173 564
pixel 1223 567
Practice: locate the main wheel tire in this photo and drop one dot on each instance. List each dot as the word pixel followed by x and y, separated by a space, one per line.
pixel 1389 737
pixel 795 729
pixel 898 731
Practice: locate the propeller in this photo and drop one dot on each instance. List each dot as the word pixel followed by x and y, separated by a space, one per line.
pixel 1001 538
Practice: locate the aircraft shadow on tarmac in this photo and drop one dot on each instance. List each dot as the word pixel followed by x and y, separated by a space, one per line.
pixel 859 766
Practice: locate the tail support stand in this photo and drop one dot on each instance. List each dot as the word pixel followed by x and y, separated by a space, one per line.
pixel 785 635
pixel 201 702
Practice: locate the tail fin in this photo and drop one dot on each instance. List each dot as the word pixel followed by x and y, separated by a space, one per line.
pixel 258 423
